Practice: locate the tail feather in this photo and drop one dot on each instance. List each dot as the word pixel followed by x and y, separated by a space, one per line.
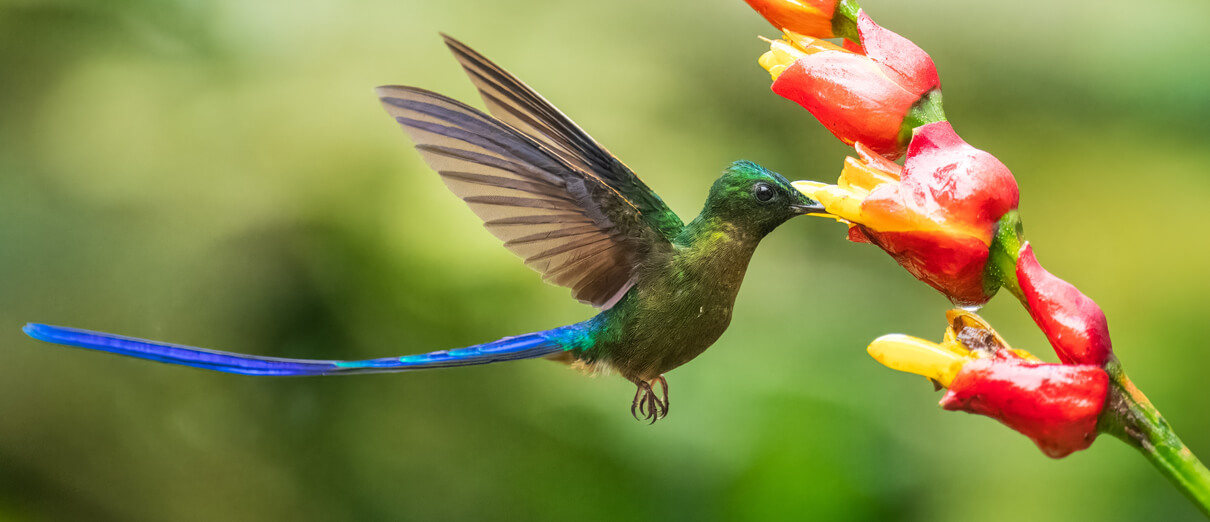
pixel 527 346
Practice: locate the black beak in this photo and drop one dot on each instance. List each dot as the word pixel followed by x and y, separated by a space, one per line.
pixel 814 207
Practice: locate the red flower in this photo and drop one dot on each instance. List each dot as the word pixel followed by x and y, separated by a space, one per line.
pixel 1056 405
pixel 938 220
pixel 1073 323
pixel 862 92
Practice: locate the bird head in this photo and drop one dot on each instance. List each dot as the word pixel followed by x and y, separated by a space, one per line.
pixel 754 198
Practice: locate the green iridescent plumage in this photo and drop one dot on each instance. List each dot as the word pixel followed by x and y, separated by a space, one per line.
pixel 667 288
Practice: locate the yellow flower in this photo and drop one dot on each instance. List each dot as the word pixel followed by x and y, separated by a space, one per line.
pixel 967 338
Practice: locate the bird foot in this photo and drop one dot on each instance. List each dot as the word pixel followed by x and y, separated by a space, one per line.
pixel 646 404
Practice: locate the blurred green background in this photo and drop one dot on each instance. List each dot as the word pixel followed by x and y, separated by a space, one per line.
pixel 219 173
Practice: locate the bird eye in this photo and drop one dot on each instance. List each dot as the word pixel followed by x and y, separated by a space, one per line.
pixel 762 192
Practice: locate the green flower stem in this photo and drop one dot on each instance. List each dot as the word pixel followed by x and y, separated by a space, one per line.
pixel 844 20
pixel 1001 270
pixel 928 109
pixel 1129 416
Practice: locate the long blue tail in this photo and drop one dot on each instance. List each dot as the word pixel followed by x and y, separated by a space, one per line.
pixel 527 346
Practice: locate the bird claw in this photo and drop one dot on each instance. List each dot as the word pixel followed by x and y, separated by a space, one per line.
pixel 647 406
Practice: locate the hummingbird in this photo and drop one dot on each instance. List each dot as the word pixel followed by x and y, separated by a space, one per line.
pixel 575 214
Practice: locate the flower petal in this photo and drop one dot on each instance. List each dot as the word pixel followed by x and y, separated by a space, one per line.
pixel 905 62
pixel 1073 322
pixel 915 355
pixel 952 264
pixel 954 183
pixel 809 17
pixel 850 96
pixel 1055 405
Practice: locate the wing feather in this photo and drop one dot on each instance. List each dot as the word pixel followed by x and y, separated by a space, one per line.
pixel 556 197
pixel 515 103
pixel 567 223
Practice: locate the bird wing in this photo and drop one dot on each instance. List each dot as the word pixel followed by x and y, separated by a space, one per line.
pixel 575 225
pixel 512 101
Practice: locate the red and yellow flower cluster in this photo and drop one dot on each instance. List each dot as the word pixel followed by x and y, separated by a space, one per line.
pixel 948 215
pixel 938 214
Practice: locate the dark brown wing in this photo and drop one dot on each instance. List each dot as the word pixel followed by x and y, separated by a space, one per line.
pixel 566 222
pixel 512 101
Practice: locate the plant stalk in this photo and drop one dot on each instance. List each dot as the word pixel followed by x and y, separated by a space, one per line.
pixel 1129 416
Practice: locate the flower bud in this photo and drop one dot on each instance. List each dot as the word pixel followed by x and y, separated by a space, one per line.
pixel 861 92
pixel 1074 324
pixel 1055 405
pixel 936 216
